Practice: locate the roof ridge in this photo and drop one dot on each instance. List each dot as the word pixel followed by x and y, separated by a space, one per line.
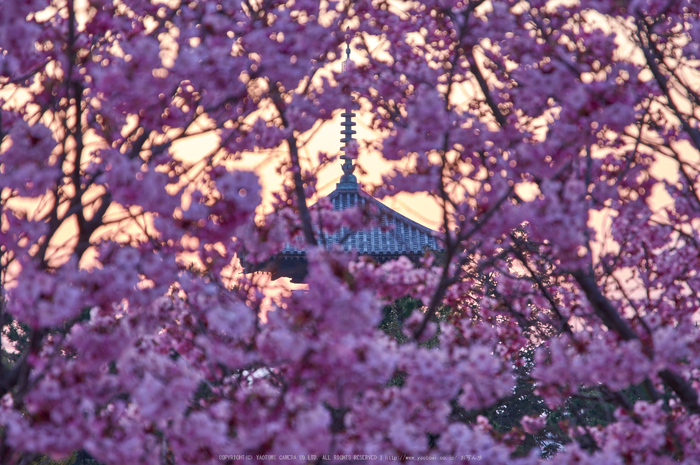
pixel 382 206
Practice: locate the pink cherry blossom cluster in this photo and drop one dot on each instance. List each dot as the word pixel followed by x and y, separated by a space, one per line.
pixel 559 141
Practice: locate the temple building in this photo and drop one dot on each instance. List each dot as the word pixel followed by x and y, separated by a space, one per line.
pixel 394 236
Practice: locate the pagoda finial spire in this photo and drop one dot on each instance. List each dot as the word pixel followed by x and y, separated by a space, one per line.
pixel 348 179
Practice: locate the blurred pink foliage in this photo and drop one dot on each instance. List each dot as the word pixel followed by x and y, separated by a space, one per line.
pixel 524 120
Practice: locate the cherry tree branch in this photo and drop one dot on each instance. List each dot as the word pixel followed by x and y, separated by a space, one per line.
pixel 646 44
pixel 612 319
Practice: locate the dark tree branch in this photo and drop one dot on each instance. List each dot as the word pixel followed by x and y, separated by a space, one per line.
pixel 646 45
pixel 612 319
pixel 483 85
pixel 602 306
pixel 304 213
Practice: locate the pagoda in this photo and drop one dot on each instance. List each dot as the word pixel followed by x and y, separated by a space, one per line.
pixel 393 237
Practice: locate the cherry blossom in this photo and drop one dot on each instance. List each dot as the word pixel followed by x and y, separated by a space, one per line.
pixel 558 142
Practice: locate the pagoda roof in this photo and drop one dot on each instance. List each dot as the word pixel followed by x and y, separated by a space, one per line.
pixel 395 235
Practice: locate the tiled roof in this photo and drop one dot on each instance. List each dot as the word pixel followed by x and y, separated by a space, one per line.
pixel 397 234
